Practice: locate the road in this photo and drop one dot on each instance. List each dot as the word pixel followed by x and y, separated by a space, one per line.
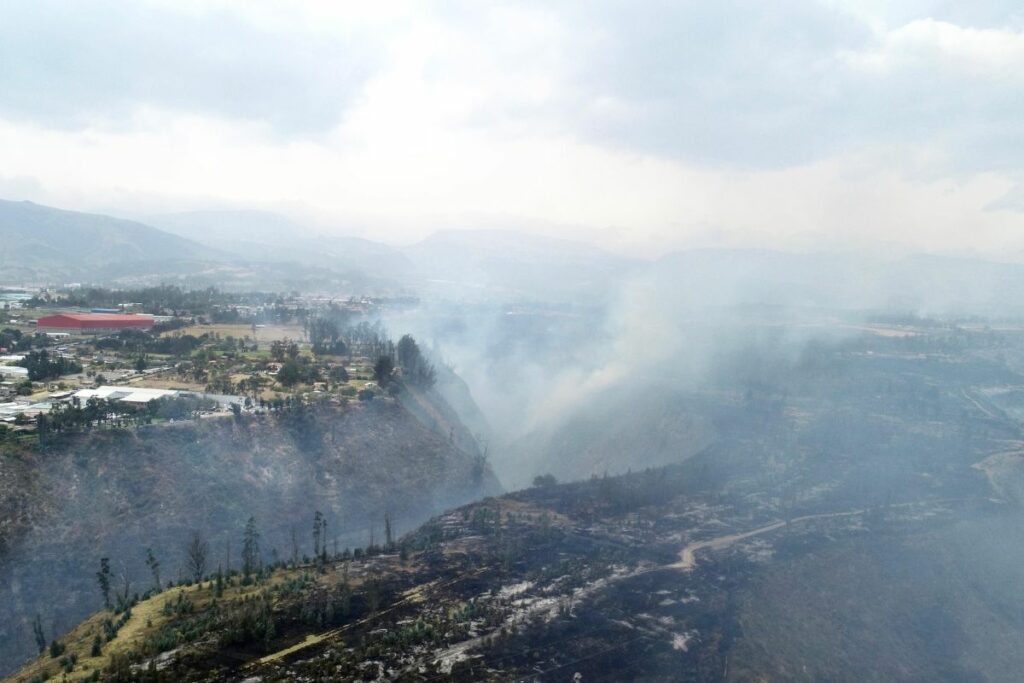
pixel 688 555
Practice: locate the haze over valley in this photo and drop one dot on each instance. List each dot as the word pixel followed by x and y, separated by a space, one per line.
pixel 511 342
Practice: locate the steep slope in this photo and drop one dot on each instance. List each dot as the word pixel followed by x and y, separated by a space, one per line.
pixel 627 427
pixel 113 494
pixel 40 242
pixel 838 528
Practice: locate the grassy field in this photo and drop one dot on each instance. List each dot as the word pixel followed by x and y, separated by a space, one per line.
pixel 266 334
pixel 166 381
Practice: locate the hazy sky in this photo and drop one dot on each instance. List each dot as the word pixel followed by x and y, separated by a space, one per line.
pixel 642 126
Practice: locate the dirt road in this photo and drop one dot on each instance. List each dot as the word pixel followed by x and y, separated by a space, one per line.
pixel 688 555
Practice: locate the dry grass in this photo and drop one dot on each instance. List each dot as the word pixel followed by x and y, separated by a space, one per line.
pixel 266 334
pixel 146 620
pixel 167 381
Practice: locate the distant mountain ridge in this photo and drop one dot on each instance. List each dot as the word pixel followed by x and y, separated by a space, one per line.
pixel 265 236
pixel 456 264
pixel 516 265
pixel 257 249
pixel 44 243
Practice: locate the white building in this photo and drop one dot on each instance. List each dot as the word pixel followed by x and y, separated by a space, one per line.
pixel 126 394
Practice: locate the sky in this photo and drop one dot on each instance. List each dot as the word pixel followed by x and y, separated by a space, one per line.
pixel 641 127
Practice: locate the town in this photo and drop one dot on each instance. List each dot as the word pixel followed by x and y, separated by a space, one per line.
pixel 164 353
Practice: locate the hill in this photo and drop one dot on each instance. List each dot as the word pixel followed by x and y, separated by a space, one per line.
pixel 849 506
pixel 264 236
pixel 457 264
pixel 115 493
pixel 626 427
pixel 44 243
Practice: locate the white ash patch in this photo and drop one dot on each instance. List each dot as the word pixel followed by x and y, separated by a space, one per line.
pixel 514 589
pixel 681 641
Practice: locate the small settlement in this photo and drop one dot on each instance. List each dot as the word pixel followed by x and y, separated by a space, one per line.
pixel 65 349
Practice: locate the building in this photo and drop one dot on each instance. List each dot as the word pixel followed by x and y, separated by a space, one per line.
pixel 125 394
pixel 129 393
pixel 9 412
pixel 93 323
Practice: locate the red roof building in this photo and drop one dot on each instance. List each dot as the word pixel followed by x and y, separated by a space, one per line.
pixel 86 323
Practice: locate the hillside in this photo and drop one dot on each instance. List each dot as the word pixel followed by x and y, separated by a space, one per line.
pixel 44 243
pixel 264 236
pixel 854 507
pixel 115 493
pixel 459 264
pixel 48 245
pixel 628 427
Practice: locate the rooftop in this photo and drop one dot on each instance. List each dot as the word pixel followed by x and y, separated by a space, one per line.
pixel 126 394
pixel 101 317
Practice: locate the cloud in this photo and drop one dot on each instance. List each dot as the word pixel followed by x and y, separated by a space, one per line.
pixel 643 127
pixel 73 65
pixel 718 83
pixel 755 85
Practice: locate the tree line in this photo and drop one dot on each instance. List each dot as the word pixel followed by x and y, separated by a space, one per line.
pixel 42 366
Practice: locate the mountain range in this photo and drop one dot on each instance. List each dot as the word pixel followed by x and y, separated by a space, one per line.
pixel 44 243
pixel 268 251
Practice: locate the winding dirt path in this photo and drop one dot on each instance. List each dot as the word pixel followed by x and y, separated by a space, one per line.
pixel 688 555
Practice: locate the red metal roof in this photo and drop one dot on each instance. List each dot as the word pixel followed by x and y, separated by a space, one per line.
pixel 95 320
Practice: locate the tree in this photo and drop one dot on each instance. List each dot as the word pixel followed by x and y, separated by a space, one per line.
pixel 388 540
pixel 323 544
pixel 318 519
pixel 383 369
pixel 279 350
pixel 250 548
pixel 197 551
pixel 103 577
pixel 37 631
pixel 408 352
pixel 290 373
pixel 338 374
pixel 544 480
pixel 320 538
pixel 41 366
pixel 154 567
pixel 124 598
pixel 415 367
